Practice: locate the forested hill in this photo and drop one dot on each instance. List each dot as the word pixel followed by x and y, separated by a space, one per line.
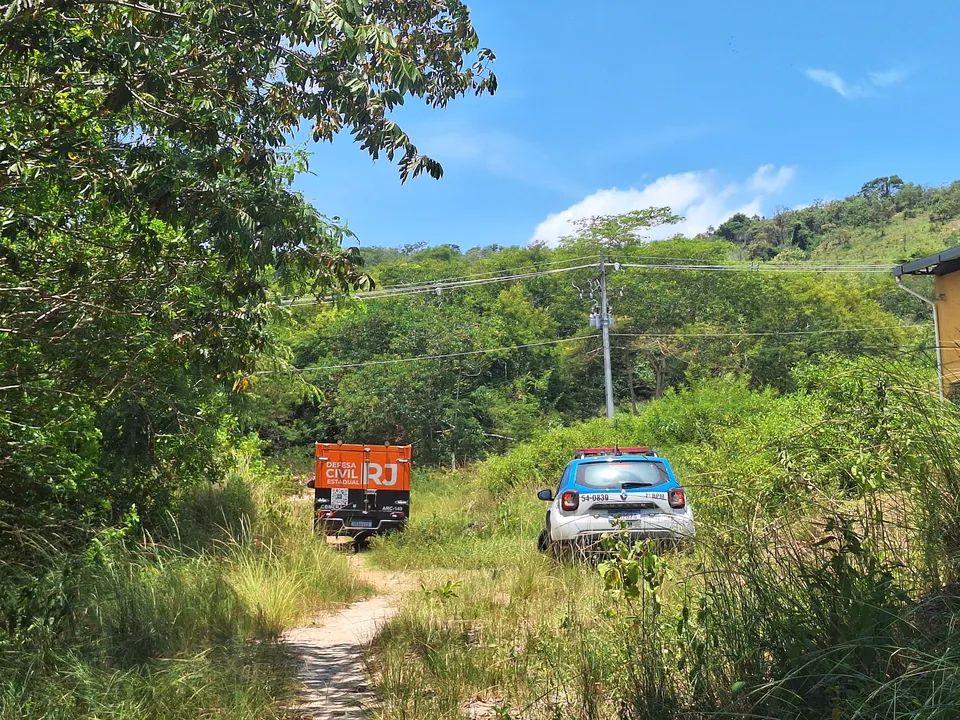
pixel 464 353
pixel 888 221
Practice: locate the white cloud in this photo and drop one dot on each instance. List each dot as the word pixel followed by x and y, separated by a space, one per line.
pixel 700 197
pixel 770 179
pixel 852 91
pixel 832 80
pixel 894 76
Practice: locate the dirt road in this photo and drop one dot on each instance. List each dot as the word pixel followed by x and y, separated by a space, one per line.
pixel 335 682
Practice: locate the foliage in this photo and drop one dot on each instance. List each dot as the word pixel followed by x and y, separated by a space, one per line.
pixel 888 221
pixel 617 232
pixel 133 627
pixel 507 359
pixel 147 221
pixel 827 600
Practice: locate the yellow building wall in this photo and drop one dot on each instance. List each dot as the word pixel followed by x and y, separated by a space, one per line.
pixel 948 311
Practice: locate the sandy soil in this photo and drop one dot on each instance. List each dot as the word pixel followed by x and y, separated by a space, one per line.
pixel 330 649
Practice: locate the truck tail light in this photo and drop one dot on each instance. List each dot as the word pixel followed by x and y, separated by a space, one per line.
pixel 677 498
pixel 570 500
pixel 397 516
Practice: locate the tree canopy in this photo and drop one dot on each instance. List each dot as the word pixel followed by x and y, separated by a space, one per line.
pixel 466 372
pixel 147 223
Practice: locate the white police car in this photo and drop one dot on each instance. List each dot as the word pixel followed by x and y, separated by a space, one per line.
pixel 603 489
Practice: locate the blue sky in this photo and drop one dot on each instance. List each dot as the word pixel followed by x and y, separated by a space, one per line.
pixel 709 107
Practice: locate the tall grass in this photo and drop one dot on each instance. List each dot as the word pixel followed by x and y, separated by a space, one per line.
pixel 284 583
pixel 482 638
pixel 180 625
pixel 457 522
pixel 827 589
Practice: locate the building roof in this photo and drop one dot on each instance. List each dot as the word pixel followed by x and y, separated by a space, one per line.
pixel 942 263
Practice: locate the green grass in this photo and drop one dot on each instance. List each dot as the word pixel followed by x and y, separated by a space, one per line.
pixel 485 636
pixel 903 238
pixel 179 627
pixel 241 682
pixel 283 585
pixel 831 593
pixel 457 522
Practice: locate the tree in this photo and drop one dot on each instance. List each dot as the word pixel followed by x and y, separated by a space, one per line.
pixel 736 229
pixel 781 221
pixel 799 237
pixel 882 187
pixel 881 206
pixel 619 232
pixel 147 224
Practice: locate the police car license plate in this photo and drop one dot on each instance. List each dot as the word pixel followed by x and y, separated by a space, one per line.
pixel 632 517
pixel 361 523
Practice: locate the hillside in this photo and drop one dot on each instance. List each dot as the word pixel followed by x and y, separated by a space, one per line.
pixel 468 352
pixel 905 238
pixel 888 222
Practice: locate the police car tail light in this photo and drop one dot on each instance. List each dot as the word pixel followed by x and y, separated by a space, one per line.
pixel 397 516
pixel 677 499
pixel 570 500
pixel 326 514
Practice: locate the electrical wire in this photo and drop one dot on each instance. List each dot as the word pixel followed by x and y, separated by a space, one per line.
pixel 775 333
pixel 763 267
pixel 437 287
pixel 446 356
pixel 533 266
pixel 467 353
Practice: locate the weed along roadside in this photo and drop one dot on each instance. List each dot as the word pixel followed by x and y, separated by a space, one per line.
pixel 818 584
pixel 180 624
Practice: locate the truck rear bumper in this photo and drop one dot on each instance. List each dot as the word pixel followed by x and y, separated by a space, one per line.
pixel 346 526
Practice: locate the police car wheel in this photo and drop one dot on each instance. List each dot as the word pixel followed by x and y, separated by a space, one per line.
pixel 543 541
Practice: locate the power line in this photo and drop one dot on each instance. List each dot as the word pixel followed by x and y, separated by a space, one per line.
pixel 763 267
pixel 773 333
pixel 532 266
pixel 437 287
pixel 446 356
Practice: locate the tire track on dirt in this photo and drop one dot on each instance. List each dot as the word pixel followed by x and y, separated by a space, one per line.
pixel 330 651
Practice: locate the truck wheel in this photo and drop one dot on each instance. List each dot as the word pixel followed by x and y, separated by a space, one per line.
pixel 543 542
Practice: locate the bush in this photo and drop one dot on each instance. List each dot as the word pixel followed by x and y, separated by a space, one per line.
pixel 131 627
pixel 828 589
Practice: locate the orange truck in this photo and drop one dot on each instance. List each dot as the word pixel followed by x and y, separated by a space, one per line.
pixel 361 490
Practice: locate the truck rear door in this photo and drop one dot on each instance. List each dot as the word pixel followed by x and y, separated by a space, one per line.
pixel 362 487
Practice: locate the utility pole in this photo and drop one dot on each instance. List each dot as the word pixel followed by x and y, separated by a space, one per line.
pixel 603 320
pixel 606 320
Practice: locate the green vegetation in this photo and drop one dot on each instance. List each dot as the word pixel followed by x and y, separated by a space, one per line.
pixel 150 559
pixel 821 583
pixel 888 221
pixel 179 625
pixel 516 353
pixel 148 233
pixel 148 227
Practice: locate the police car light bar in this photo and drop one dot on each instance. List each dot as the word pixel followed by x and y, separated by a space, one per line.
pixel 599 452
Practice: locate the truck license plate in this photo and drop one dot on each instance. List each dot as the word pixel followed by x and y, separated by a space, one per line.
pixel 361 523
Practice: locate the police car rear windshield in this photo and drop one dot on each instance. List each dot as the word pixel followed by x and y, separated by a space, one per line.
pixel 623 474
